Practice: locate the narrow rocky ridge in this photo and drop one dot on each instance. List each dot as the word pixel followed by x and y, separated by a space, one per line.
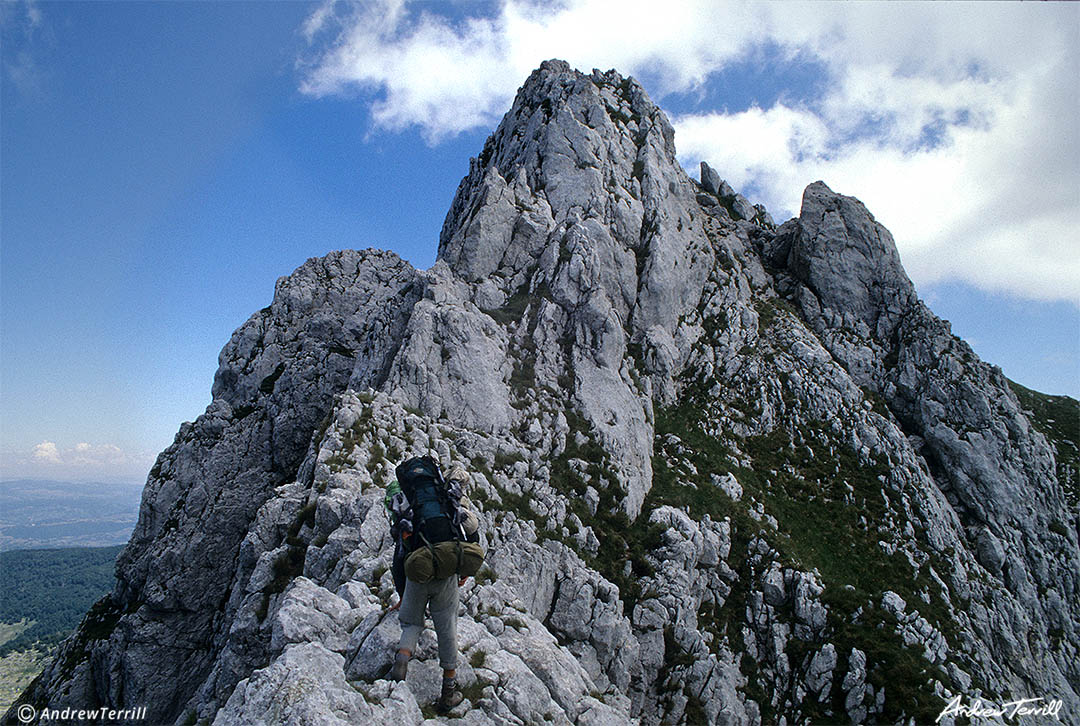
pixel 729 472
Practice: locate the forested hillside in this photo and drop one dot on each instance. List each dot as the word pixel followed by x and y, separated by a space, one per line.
pixel 52 588
pixel 43 595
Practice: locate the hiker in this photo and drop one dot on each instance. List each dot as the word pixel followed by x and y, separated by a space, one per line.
pixel 436 536
pixel 398 510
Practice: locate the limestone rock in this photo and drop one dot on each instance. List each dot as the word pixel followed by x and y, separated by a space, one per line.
pixel 819 678
pixel 710 180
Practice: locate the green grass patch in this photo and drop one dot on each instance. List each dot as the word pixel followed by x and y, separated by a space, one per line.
pixel 513 310
pixel 289 564
pixel 899 668
pixel 1058 419
pixel 622 542
pixel 832 512
pixel 18 669
pixel 486 575
pixel 505 460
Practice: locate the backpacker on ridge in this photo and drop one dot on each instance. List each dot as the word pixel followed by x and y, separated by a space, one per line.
pixel 432 519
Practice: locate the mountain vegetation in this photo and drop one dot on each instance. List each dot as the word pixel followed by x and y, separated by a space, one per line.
pixel 43 595
pixel 52 589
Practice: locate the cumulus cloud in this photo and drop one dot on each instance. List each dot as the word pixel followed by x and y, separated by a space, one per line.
pixel 954 122
pixel 990 202
pixel 47 453
pixel 83 461
pixel 446 75
pixel 974 158
pixel 85 454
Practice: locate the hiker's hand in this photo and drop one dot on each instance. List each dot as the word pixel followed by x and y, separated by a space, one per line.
pixel 462 581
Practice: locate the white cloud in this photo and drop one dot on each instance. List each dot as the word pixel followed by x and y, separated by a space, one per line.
pixel 956 123
pixel 448 76
pixel 993 201
pixel 83 462
pixel 33 13
pixel 46 452
pixel 101 455
pixel 317 21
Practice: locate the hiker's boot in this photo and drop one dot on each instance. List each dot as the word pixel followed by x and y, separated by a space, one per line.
pixel 450 697
pixel 401 665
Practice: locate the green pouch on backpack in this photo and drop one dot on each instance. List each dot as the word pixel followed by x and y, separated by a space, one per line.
pixel 443 559
pixel 471 559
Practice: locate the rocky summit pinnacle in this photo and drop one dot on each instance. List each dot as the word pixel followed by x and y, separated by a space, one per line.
pixel 727 472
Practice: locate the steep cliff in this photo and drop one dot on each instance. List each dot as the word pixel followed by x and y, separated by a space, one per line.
pixel 729 472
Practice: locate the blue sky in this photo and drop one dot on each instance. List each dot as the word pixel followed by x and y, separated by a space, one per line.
pixel 162 164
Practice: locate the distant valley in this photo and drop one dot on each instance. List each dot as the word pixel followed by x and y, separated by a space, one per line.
pixel 38 514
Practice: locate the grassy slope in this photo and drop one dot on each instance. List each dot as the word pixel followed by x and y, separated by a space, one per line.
pixel 1058 419
pixel 18 669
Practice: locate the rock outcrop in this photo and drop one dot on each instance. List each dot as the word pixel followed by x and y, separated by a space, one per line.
pixel 728 472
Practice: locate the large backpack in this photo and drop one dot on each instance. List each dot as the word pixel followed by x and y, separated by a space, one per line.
pixel 433 511
pixel 439 549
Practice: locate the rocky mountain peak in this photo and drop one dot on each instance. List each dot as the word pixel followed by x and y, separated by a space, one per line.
pixel 727 472
pixel 572 145
pixel 846 260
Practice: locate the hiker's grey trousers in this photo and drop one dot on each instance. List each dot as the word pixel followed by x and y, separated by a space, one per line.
pixel 443 596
